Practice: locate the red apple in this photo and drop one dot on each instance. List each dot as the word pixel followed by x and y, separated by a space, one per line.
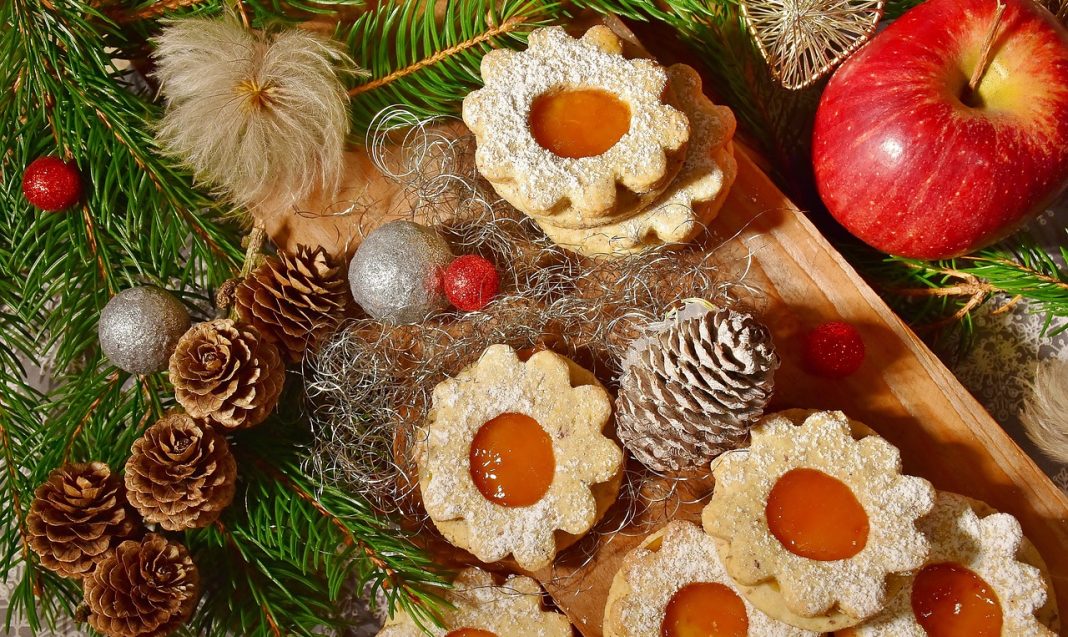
pixel 914 163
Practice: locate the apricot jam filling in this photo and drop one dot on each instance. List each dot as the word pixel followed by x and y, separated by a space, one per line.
pixel 816 516
pixel 705 609
pixel 512 462
pixel 950 600
pixel 470 632
pixel 578 123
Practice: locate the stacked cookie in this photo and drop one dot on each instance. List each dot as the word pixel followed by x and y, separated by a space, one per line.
pixel 814 529
pixel 609 155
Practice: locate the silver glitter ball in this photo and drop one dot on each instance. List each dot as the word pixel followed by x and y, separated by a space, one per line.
pixel 140 327
pixel 395 274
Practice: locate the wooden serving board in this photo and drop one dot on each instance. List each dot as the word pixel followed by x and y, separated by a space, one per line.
pixel 902 391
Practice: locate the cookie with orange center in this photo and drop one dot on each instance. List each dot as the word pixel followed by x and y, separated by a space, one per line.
pixel 982 579
pixel 479 607
pixel 674 584
pixel 513 458
pixel 811 522
pixel 574 131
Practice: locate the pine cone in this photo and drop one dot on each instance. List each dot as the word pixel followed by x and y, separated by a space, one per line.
pixel 145 588
pixel 693 387
pixel 181 474
pixel 225 373
pixel 293 299
pixel 77 516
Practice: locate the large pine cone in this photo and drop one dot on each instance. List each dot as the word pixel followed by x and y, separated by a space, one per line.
pixel 694 386
pixel 293 299
pixel 181 474
pixel 77 516
pixel 145 588
pixel 227 374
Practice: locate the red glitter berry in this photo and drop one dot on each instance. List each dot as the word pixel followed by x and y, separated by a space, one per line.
pixel 833 350
pixel 470 282
pixel 51 184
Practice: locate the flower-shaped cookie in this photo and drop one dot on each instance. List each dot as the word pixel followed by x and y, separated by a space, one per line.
pixel 694 197
pixel 511 609
pixel 811 522
pixel 680 557
pixel 988 547
pixel 513 452
pixel 574 189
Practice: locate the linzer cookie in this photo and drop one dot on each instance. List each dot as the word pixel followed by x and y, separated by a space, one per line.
pixel 481 608
pixel 811 522
pixel 674 584
pixel 513 458
pixel 690 202
pixel 573 131
pixel 982 578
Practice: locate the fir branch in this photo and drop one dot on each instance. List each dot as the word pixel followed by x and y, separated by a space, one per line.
pixel 429 61
pixel 944 294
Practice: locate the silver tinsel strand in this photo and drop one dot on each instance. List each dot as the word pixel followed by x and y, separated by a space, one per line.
pixel 371 382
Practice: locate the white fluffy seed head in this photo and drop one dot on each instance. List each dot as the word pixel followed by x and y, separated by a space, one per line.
pixel 1045 413
pixel 258 116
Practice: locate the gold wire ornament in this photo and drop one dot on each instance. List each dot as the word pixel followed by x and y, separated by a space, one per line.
pixel 802 40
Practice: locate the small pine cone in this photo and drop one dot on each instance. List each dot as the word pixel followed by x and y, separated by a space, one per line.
pixel 294 299
pixel 225 373
pixel 77 516
pixel 181 474
pixel 145 588
pixel 692 388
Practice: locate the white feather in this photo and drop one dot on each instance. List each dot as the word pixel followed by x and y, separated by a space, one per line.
pixel 1045 415
pixel 259 116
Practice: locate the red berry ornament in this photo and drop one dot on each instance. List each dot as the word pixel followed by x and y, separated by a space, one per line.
pixel 833 350
pixel 51 184
pixel 470 282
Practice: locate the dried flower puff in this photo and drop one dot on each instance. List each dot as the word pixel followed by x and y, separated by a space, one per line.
pixel 260 116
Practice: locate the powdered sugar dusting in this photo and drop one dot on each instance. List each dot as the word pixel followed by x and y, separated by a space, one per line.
pixel 869 467
pixel 686 555
pixel 572 416
pixel 512 609
pixel 988 547
pixel 534 179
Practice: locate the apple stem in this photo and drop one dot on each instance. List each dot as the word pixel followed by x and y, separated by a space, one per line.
pixel 988 45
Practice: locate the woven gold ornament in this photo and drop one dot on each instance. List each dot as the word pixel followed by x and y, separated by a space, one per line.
pixel 181 474
pixel 227 374
pixel 145 588
pixel 77 516
pixel 293 299
pixel 802 40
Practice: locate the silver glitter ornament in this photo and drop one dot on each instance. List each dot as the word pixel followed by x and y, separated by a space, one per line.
pixel 395 274
pixel 140 327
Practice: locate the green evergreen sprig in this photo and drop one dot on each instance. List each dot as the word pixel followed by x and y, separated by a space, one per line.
pixel 429 62
pixel 143 221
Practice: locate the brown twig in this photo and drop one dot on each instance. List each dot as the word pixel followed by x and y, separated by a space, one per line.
pixel 153 11
pixel 507 26
pixel 988 45
pixel 392 577
pixel 12 481
pixel 271 621
pixel 88 413
pixel 90 230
